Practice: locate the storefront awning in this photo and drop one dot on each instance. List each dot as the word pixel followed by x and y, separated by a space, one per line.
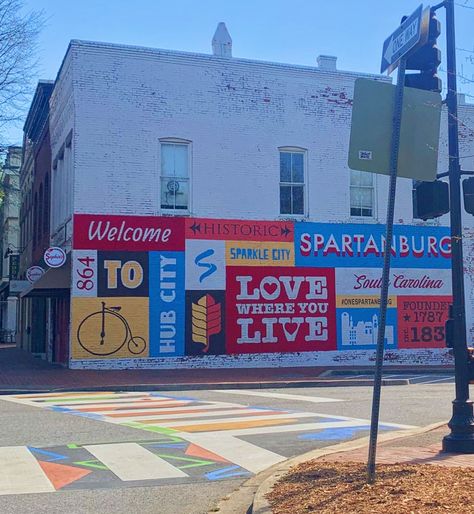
pixel 55 282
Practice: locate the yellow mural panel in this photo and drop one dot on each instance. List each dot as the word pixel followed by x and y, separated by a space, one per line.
pixel 109 328
pixel 259 253
pixel 362 301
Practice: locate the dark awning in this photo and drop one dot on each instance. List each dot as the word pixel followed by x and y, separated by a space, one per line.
pixel 55 282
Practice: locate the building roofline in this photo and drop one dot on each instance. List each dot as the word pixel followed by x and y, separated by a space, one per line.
pixel 78 43
pixel 40 92
pixel 41 97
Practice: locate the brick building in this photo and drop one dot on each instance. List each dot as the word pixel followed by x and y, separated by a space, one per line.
pixel 37 314
pixel 210 218
pixel 10 286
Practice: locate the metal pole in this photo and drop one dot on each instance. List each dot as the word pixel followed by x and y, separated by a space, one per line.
pixel 461 438
pixel 395 145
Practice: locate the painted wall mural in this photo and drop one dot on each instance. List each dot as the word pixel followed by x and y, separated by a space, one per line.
pixel 149 286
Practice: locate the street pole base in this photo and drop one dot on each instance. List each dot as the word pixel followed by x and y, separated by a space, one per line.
pixel 461 438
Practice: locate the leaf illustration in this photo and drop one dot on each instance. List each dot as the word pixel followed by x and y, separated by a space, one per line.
pixel 206 319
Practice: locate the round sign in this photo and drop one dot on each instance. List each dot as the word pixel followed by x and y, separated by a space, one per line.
pixel 54 257
pixel 34 273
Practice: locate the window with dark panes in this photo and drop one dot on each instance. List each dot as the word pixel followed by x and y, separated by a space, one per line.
pixel 174 176
pixel 292 175
pixel 362 193
pixel 47 201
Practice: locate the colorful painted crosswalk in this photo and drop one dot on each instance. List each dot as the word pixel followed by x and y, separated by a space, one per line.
pixel 195 440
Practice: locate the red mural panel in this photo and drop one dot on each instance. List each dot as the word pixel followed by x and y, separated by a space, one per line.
pixel 239 230
pixel 277 309
pixel 137 233
pixel 421 321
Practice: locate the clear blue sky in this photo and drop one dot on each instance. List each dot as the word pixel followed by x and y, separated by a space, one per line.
pixel 294 31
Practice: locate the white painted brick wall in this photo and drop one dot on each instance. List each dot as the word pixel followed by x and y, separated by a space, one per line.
pixel 237 113
pixel 120 100
pixel 61 122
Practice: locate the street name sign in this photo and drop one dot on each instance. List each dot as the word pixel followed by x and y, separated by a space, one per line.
pixel 402 40
pixel 371 129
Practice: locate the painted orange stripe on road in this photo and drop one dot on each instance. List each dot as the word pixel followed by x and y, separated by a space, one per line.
pixel 212 427
pixel 137 407
pixel 61 475
pixel 159 412
pixel 193 450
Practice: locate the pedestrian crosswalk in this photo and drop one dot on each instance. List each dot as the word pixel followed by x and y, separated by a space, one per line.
pixel 412 379
pixel 193 440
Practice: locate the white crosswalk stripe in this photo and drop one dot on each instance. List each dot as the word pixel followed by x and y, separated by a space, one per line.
pixel 21 473
pixel 130 461
pixel 280 396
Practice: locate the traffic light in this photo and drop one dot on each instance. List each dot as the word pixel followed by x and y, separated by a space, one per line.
pixel 468 193
pixel 430 199
pixel 426 60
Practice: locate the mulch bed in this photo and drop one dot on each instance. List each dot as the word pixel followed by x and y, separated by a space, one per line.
pixel 341 487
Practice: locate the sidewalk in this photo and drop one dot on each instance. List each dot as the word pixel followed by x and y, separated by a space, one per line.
pixel 20 372
pixel 418 449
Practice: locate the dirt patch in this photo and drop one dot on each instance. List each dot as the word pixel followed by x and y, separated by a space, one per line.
pixel 340 487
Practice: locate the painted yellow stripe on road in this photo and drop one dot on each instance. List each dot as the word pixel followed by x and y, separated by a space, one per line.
pixel 212 427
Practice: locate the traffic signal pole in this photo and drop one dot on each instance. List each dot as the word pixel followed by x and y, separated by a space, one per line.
pixel 461 438
pixel 394 150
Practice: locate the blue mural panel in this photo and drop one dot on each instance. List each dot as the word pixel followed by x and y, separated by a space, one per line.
pixel 357 245
pixel 167 304
pixel 357 328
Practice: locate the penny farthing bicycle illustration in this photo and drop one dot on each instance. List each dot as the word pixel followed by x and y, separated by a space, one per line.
pixel 105 332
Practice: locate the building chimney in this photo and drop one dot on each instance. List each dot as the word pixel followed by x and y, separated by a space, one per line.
pixel 222 42
pixel 461 99
pixel 327 62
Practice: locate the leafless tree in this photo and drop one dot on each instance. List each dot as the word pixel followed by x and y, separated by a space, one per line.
pixel 19 31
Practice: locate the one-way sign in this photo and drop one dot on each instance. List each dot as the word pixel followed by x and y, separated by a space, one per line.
pixel 402 40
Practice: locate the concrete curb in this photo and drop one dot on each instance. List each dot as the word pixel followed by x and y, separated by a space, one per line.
pixel 261 505
pixel 432 370
pixel 350 382
pixel 250 497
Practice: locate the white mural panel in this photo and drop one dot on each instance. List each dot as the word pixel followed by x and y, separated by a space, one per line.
pixel 84 273
pixel 205 265
pixel 403 281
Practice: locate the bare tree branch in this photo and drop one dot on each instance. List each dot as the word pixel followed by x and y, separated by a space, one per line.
pixel 19 33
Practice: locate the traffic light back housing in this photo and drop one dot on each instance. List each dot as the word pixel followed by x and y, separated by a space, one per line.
pixel 468 193
pixel 426 60
pixel 430 199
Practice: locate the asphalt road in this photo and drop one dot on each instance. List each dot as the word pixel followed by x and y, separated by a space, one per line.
pixel 179 453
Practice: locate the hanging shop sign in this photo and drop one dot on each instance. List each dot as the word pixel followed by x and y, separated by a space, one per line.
pixel 54 257
pixel 14 266
pixel 34 273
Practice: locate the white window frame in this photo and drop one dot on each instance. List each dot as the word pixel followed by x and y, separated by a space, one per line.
pixel 360 217
pixel 304 152
pixel 188 144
